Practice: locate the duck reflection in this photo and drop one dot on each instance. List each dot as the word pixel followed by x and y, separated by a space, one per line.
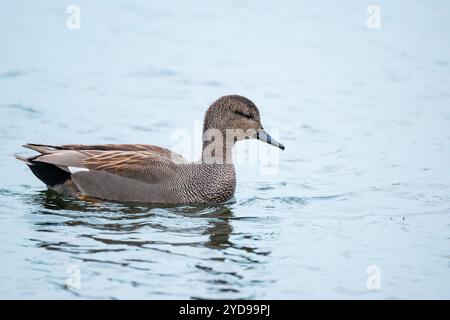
pixel 137 230
pixel 219 229
pixel 119 217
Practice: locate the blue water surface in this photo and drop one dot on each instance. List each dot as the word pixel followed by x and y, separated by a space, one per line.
pixel 359 206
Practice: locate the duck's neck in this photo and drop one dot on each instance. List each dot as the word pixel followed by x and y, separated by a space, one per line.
pixel 216 149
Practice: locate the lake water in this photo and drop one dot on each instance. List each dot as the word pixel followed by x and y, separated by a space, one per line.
pixel 359 206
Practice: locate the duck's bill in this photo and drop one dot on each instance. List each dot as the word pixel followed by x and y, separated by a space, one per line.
pixel 263 136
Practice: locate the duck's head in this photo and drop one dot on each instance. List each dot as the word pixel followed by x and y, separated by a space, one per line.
pixel 240 115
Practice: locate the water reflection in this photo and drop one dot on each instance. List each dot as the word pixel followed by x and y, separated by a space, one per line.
pixel 219 229
pixel 140 238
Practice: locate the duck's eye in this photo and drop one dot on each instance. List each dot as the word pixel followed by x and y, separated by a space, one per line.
pixel 249 116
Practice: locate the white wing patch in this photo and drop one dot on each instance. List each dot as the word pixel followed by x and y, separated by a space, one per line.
pixel 75 169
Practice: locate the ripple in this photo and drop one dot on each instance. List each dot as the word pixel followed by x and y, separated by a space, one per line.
pixel 12 74
pixel 290 200
pixel 142 128
pixel 342 197
pixel 153 72
pixel 23 108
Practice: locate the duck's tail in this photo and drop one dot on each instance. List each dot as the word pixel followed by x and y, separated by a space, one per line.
pixel 49 174
pixel 24 159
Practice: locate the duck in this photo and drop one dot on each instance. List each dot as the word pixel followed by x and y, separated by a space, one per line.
pixel 147 173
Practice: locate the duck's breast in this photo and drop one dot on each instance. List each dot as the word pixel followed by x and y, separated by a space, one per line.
pixel 212 183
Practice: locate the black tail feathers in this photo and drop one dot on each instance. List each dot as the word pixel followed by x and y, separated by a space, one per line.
pixel 49 174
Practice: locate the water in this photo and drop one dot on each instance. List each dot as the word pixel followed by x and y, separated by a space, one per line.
pixel 364 181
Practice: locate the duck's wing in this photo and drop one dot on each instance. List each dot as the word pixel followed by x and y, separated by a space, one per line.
pixel 160 151
pixel 147 166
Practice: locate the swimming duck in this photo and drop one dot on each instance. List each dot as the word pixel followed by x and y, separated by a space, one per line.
pixel 151 174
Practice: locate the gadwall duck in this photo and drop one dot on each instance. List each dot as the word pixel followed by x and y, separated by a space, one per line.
pixel 150 174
